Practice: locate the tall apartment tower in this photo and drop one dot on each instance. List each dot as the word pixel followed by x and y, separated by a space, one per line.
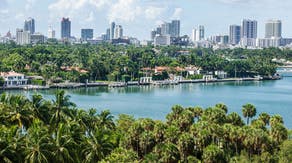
pixel 108 34
pixel 273 29
pixel 249 29
pixel 118 32
pixel 65 28
pixel 234 34
pixel 22 37
pixel 112 30
pixel 201 32
pixel 249 33
pixel 175 28
pixel 29 25
pixel 51 33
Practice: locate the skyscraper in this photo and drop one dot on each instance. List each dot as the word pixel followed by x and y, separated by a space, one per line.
pixel 29 25
pixel 175 28
pixel 65 28
pixel 108 34
pixel 118 32
pixel 201 32
pixel 249 32
pixel 165 28
pixel 273 29
pixel 234 34
pixel 172 29
pixel 22 37
pixel 112 30
pixel 51 33
pixel 198 34
pixel 153 34
pixel 86 34
pixel 249 29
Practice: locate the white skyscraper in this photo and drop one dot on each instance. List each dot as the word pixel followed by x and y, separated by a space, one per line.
pixel 273 29
pixel 198 34
pixel 118 32
pixel 51 33
pixel 194 35
pixel 22 37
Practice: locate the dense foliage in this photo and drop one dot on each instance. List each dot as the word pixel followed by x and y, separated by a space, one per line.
pixel 117 63
pixel 37 130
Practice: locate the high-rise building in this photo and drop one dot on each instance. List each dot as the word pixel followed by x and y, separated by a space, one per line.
pixel 165 28
pixel 194 35
pixel 175 28
pixel 65 28
pixel 86 34
pixel 249 33
pixel 108 34
pixel 201 32
pixel 234 34
pixel 112 30
pixel 153 34
pixel 51 33
pixel 118 32
pixel 29 25
pixel 158 30
pixel 172 29
pixel 273 29
pixel 198 34
pixel 249 29
pixel 22 37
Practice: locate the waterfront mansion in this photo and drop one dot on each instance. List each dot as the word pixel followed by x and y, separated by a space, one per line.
pixel 13 79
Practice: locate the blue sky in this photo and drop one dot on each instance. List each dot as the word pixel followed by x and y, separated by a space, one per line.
pixel 138 17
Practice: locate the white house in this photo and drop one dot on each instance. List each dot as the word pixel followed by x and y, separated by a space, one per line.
pixel 13 79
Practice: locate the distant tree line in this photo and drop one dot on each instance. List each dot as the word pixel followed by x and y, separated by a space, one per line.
pixel 117 63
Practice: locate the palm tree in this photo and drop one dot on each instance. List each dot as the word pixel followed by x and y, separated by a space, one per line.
pixel 265 117
pixel 97 146
pixel 222 106
pixel 64 145
pixel 11 144
pixel 38 143
pixel 106 120
pixel 213 154
pixel 248 111
pixel 235 119
pixel 17 110
pixel 278 133
pixel 276 119
pixel 186 145
pixel 60 108
pixel 169 153
pixel 41 108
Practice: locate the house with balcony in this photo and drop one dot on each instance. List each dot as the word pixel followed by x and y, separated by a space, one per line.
pixel 13 79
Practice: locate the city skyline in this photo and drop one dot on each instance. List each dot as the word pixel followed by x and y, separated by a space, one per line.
pixel 215 15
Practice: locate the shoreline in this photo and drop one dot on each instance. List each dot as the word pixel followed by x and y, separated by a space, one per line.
pixel 130 83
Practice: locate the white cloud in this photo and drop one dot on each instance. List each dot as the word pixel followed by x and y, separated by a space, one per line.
pixel 90 17
pixel 29 4
pixel 177 13
pixel 153 12
pixel 124 10
pixel 76 8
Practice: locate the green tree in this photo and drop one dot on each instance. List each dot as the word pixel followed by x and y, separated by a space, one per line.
pixel 248 111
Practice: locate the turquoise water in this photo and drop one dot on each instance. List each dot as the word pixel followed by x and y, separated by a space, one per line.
pixel 273 97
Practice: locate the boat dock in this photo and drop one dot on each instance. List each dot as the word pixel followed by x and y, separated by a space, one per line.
pixel 130 83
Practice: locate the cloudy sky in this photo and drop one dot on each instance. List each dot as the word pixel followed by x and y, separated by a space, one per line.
pixel 138 17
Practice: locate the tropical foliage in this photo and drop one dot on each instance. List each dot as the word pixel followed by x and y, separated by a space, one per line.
pixel 36 130
pixel 78 63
